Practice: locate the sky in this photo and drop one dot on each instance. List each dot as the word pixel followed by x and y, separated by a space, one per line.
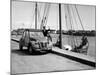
pixel 23 16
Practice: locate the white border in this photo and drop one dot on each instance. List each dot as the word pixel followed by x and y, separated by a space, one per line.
pixel 5 37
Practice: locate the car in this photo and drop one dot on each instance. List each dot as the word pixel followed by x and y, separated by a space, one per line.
pixel 34 42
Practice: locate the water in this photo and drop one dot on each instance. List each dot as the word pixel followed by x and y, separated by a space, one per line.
pixel 67 39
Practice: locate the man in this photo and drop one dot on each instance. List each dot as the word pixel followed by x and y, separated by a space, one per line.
pixel 46 34
pixel 83 43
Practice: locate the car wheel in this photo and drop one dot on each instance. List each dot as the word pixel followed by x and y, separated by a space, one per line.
pixel 50 50
pixel 30 49
pixel 20 47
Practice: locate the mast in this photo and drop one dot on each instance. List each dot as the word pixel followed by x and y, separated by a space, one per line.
pixel 36 15
pixel 60 28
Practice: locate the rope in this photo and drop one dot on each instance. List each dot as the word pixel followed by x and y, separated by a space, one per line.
pixel 32 17
pixel 57 21
pixel 57 25
pixel 42 21
pixel 47 14
pixel 65 15
pixel 79 17
pixel 80 21
pixel 66 18
pixel 44 17
pixel 70 17
pixel 75 22
pixel 38 12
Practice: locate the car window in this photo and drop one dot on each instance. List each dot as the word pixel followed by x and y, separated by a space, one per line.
pixel 23 35
pixel 32 34
pixel 36 34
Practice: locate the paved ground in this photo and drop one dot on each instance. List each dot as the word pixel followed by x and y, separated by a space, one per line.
pixel 22 62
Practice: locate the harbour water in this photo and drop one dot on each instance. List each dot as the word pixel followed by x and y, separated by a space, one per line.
pixel 67 39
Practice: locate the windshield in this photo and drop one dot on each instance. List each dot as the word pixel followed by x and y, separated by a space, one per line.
pixel 37 35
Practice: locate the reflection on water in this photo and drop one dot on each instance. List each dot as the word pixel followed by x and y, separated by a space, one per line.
pixel 67 39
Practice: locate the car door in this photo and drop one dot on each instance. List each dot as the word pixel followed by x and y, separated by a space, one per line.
pixel 26 38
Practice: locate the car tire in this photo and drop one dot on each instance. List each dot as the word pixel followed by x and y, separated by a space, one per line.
pixel 50 50
pixel 30 49
pixel 20 47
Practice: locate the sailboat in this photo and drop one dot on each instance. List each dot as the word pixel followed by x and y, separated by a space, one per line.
pixel 84 44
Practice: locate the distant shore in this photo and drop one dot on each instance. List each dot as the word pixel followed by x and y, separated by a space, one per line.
pixel 69 32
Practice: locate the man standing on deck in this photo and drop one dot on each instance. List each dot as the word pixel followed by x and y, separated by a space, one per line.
pixel 46 34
